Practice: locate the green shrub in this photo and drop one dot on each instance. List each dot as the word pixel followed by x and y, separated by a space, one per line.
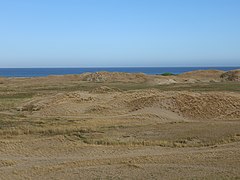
pixel 167 74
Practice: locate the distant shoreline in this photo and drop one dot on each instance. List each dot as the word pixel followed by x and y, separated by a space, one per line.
pixel 42 72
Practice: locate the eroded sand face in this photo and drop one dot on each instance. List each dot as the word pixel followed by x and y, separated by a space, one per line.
pixel 72 127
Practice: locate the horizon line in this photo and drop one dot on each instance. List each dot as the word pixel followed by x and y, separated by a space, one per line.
pixel 34 67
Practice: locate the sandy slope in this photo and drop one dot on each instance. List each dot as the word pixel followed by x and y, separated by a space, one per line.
pixel 211 105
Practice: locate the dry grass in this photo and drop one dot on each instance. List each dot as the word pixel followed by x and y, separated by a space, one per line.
pixel 118 127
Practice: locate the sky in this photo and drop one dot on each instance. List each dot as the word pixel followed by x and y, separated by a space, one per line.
pixel 119 33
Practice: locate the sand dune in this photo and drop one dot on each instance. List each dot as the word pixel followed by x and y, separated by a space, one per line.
pixel 233 75
pixel 188 104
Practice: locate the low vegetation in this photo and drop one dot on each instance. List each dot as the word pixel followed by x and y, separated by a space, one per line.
pixel 61 123
pixel 167 74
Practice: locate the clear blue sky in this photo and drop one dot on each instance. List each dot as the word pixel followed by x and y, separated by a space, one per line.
pixel 77 33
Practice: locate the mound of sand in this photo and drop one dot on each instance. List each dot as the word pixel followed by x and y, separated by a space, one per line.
pixel 187 104
pixel 46 102
pixel 190 105
pixel 207 105
pixel 115 77
pixel 104 89
pixel 98 109
pixel 203 74
pixel 233 75
pixel 136 100
pixel 162 81
pixel 142 102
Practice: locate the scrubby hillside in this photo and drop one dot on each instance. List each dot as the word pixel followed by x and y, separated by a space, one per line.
pixel 190 105
pixel 115 77
pixel 213 74
pixel 233 75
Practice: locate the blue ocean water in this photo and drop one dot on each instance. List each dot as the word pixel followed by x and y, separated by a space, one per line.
pixel 35 72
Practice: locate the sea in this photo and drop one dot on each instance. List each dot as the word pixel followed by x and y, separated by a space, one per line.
pixel 38 72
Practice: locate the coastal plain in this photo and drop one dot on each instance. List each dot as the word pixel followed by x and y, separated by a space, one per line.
pixel 121 126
